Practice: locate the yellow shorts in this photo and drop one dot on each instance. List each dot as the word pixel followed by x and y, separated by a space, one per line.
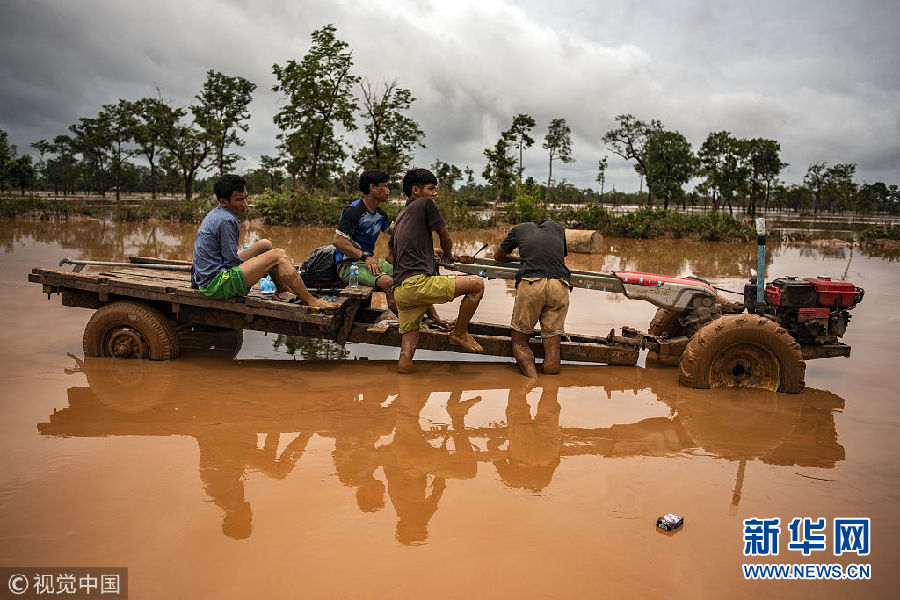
pixel 538 298
pixel 417 293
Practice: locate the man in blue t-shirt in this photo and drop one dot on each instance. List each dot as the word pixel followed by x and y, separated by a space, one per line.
pixel 220 270
pixel 358 229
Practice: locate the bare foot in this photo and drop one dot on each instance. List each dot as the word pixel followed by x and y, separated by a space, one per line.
pixel 466 341
pixel 322 305
pixel 525 361
pixel 404 364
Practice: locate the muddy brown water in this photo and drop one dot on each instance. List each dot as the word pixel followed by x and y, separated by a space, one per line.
pixel 278 474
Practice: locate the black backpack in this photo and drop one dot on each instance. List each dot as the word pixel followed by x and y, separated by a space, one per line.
pixel 319 270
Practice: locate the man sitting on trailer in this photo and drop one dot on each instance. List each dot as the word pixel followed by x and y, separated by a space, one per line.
pixel 358 229
pixel 416 283
pixel 220 270
pixel 542 291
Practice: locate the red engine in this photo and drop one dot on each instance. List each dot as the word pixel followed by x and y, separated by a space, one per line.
pixel 815 310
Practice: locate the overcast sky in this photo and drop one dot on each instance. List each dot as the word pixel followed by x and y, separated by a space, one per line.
pixel 821 77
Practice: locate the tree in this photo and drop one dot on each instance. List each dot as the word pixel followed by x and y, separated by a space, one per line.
pixel 7 154
pixel 319 95
pixel 187 149
pixel 558 142
pixel 629 140
pixel 522 124
pixel 221 111
pixel 840 189
pixel 21 172
pixel 815 180
pixel 498 170
pixel 92 139
pixel 448 175
pixel 156 122
pixel 601 174
pixel 391 135
pixel 122 125
pixel 722 159
pixel 272 167
pixel 765 166
pixel 670 164
pixel 61 167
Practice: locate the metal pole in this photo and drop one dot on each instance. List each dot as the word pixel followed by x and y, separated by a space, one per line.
pixel 760 261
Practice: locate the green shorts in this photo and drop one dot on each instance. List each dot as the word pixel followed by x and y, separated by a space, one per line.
pixel 417 293
pixel 227 284
pixel 365 278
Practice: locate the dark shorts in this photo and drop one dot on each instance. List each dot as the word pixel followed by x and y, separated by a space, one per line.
pixel 227 284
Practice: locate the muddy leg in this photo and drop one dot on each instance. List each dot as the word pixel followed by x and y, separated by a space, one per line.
pixel 551 355
pixel 523 354
pixel 473 288
pixel 408 343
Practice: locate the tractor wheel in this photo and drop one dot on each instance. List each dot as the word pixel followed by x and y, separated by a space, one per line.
pixel 743 351
pixel 130 330
pixel 665 324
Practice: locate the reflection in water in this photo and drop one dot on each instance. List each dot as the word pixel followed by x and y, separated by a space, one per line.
pixel 376 421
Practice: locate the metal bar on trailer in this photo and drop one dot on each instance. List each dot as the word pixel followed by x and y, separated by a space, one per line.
pixel 590 280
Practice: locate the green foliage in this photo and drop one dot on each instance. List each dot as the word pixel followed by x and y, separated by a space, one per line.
pixel 670 164
pixel 35 207
pixel 526 206
pixel 588 216
pixel 458 215
pixel 870 234
pixel 558 142
pixel 517 133
pixel 391 135
pixel 319 95
pixel 221 111
pixel 289 207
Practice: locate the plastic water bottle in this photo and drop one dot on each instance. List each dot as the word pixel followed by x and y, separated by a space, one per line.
pixel 353 279
pixel 266 285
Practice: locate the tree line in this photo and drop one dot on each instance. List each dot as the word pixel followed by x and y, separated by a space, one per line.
pixel 323 98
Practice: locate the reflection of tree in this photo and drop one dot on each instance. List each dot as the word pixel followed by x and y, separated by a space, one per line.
pixel 310 348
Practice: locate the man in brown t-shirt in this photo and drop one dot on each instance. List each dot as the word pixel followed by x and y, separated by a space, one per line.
pixel 416 282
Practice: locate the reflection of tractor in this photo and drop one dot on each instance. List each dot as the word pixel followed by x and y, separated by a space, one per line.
pixel 761 342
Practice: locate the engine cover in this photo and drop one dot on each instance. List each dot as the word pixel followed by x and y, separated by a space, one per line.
pixel 678 293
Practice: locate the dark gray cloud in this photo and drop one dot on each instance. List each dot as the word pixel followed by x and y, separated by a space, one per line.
pixel 819 77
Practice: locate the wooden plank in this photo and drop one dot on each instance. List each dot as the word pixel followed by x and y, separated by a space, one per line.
pixel 495 345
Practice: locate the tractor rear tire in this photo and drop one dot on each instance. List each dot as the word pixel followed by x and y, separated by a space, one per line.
pixel 125 329
pixel 743 351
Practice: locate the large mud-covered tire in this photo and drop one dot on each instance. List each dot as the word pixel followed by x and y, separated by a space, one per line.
pixel 743 351
pixel 130 330
pixel 665 324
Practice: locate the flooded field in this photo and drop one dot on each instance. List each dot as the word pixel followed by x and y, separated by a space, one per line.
pixel 295 470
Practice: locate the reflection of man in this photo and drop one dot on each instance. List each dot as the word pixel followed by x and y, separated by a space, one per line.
pixel 219 270
pixel 361 424
pixel 225 454
pixel 411 463
pixel 542 291
pixel 534 444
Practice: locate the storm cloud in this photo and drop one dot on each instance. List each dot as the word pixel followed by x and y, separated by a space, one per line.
pixel 819 77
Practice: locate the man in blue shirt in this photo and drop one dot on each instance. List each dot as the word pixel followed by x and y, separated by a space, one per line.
pixel 358 229
pixel 220 270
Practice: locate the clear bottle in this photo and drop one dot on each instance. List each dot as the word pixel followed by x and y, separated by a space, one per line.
pixel 266 285
pixel 353 279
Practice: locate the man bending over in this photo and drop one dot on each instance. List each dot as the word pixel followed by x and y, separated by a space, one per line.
pixel 542 291
pixel 219 270
pixel 416 282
